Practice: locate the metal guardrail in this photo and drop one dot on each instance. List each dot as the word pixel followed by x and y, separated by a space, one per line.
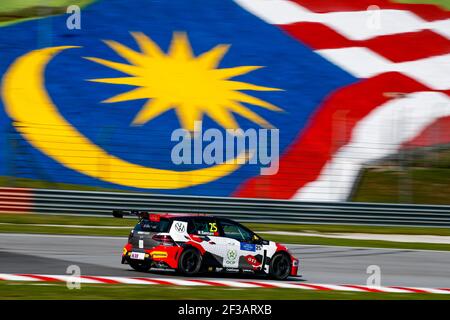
pixel 240 209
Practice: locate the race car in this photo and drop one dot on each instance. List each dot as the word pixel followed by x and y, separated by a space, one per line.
pixel 195 243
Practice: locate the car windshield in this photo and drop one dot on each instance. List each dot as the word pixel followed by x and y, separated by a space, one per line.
pixel 153 226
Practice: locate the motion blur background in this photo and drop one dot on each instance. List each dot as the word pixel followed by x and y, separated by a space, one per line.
pixel 365 102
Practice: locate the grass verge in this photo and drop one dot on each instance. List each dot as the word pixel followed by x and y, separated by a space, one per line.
pixel 13 11
pixel 443 3
pixel 10 290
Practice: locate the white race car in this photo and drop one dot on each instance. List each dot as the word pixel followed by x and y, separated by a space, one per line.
pixel 191 244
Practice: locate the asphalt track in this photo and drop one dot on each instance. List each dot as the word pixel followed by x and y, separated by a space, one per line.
pixel 52 254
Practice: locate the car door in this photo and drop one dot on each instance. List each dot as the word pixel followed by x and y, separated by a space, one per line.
pixel 241 250
pixel 205 232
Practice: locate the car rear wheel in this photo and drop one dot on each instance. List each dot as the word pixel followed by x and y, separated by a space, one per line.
pixel 140 266
pixel 280 266
pixel 190 262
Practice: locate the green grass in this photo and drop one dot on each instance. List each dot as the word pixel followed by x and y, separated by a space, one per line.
pixel 423 177
pixel 49 291
pixel 13 11
pixel 419 185
pixel 23 223
pixel 442 3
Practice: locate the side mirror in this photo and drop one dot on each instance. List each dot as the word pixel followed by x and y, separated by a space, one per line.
pixel 257 240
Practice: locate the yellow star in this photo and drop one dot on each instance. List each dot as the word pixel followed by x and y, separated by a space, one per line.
pixel 193 86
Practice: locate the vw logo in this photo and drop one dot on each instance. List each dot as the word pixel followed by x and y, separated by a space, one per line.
pixel 179 227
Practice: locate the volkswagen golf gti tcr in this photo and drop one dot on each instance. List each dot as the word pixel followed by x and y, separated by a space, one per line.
pixel 191 244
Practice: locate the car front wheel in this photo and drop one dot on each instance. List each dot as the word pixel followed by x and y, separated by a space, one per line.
pixel 280 266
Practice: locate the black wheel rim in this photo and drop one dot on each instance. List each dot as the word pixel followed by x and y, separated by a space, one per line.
pixel 281 267
pixel 190 261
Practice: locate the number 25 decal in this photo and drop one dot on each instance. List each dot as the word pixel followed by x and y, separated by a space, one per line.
pixel 212 227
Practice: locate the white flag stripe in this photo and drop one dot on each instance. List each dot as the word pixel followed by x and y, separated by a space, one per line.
pixel 440 26
pixel 378 135
pixel 274 11
pixel 361 62
pixel 433 72
pixel 355 25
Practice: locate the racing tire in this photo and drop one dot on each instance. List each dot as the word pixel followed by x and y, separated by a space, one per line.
pixel 280 266
pixel 190 262
pixel 140 266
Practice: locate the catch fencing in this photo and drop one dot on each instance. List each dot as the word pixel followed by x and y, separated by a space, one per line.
pixel 240 209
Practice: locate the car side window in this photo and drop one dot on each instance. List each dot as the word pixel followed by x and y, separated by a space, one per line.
pixel 203 227
pixel 235 231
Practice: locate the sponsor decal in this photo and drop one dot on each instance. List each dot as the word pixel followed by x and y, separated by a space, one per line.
pixel 158 254
pixel 137 255
pixel 231 257
pixel 232 270
pixel 252 261
pixel 248 246
pixel 206 233
pixel 219 269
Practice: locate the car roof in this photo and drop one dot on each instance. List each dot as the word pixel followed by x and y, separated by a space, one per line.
pixel 179 215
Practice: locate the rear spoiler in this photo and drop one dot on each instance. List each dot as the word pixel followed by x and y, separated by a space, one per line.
pixel 138 213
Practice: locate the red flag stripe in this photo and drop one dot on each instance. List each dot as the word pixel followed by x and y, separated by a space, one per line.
pixel 396 47
pixel 429 12
pixel 317 141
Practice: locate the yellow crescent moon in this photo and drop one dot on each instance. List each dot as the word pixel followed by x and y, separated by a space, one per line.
pixel 28 103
